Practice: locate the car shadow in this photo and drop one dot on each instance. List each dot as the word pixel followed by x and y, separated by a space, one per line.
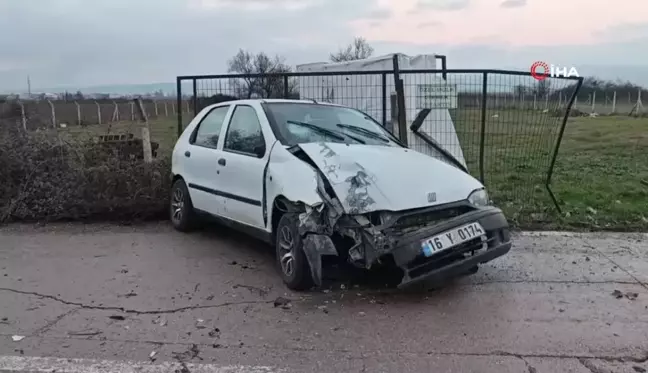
pixel 337 277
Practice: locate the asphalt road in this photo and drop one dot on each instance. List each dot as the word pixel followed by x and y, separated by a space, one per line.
pixel 148 299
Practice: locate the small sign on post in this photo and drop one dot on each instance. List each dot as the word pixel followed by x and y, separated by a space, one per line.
pixel 436 96
pixel 146 132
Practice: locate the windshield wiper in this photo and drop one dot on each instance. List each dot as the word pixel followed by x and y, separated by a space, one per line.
pixel 364 131
pixel 324 131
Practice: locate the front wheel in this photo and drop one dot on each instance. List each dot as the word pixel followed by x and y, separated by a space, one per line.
pixel 181 209
pixel 291 260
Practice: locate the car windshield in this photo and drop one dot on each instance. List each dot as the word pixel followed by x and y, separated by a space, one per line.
pixel 299 123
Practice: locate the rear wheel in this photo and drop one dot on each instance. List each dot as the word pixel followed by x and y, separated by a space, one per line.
pixel 181 209
pixel 291 260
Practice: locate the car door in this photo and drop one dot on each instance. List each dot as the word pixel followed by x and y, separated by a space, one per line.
pixel 244 157
pixel 202 156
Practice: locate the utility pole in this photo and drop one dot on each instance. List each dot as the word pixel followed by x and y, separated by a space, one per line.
pixel 28 86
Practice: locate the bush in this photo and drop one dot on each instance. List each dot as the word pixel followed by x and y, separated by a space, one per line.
pixel 45 178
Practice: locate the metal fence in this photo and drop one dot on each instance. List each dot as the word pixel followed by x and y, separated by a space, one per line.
pixel 508 125
pixel 43 114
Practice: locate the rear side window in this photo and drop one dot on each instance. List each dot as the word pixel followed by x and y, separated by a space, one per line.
pixel 209 128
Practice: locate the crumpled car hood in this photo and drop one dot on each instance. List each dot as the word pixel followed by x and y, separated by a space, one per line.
pixel 369 178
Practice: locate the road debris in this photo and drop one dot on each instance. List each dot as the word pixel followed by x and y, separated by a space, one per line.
pixel 160 321
pixel 618 294
pixel 283 303
pixel 191 353
pixel 183 369
pixel 323 309
pixel 87 332
pixel 17 338
pixel 253 289
pixel 214 333
pixel 117 317
pixel 152 355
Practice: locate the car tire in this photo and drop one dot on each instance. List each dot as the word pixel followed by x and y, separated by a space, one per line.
pixel 291 259
pixel 181 210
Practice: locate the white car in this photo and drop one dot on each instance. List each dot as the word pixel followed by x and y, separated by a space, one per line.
pixel 317 179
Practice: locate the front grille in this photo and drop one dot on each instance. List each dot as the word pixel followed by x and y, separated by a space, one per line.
pixel 428 216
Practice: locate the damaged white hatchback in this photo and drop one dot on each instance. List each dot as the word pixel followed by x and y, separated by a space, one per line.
pixel 317 179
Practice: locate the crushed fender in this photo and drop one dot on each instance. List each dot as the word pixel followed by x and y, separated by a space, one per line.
pixel 358 239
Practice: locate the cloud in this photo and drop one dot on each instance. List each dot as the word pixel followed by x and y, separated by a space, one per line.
pixel 429 24
pixel 442 4
pixel 381 13
pixel 568 26
pixel 513 3
pixel 59 42
pixel 624 31
pixel 67 42
pixel 256 5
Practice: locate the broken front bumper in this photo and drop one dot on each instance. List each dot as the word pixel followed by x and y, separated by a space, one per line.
pixel 408 254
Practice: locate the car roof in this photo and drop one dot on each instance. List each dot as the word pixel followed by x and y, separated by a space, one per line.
pixel 272 100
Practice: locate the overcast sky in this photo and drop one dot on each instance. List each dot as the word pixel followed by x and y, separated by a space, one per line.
pixel 93 42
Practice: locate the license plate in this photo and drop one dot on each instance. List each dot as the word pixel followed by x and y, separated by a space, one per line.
pixel 451 238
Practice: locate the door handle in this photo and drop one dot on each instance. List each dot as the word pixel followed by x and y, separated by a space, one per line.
pixel 222 162
pixel 187 154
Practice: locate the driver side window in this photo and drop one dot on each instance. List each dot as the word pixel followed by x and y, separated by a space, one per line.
pixel 244 133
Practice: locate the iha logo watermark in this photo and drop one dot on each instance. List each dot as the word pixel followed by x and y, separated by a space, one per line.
pixel 542 70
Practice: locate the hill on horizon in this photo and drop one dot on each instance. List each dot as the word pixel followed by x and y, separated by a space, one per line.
pixel 635 74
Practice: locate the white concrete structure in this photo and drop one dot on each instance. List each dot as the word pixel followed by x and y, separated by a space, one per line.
pixel 364 92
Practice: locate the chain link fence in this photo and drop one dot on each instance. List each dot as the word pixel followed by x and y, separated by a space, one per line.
pixel 99 120
pixel 504 126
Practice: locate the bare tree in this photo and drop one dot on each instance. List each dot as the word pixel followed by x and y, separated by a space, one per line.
pixel 543 87
pixel 259 80
pixel 358 50
pixel 520 90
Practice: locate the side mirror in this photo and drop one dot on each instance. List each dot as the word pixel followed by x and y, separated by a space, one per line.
pixel 259 150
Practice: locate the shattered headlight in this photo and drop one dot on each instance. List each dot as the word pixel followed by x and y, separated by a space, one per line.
pixel 479 198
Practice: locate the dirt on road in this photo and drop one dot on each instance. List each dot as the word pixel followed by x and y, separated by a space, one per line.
pixel 80 298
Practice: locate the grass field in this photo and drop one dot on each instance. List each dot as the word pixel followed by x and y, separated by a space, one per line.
pixel 597 177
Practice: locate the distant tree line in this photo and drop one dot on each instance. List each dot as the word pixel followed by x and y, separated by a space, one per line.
pixel 607 87
pixel 590 86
